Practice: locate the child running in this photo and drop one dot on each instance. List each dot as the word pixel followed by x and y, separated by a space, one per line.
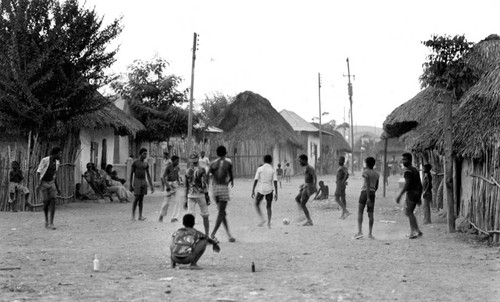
pixel 367 197
pixel 265 177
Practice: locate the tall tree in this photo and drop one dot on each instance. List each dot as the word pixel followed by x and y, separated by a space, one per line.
pixel 53 59
pixel 447 69
pixel 213 108
pixel 155 99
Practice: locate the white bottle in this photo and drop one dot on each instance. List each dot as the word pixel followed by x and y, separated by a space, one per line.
pixel 96 264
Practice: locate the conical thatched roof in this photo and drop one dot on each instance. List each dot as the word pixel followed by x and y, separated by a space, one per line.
pixel 109 116
pixel 252 117
pixel 485 55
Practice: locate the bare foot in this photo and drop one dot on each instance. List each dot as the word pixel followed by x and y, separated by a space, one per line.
pixel 142 218
pixel 371 236
pixel 358 236
pixel 261 223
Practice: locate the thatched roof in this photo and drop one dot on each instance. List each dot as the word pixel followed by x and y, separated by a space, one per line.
pixel 485 55
pixel 419 110
pixel 477 120
pixel 336 141
pixel 252 117
pixel 109 116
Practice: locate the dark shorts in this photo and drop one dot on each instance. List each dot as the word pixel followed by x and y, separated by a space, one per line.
pixel 140 186
pixel 259 197
pixel 48 190
pixel 363 202
pixel 340 190
pixel 410 207
pixel 305 193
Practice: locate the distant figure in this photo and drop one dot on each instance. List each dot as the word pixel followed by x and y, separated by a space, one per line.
pixel 222 171
pixel 189 244
pixel 367 197
pixel 287 172
pixel 307 189
pixel 279 174
pixel 138 184
pixel 196 184
pixel 341 184
pixel 48 185
pixel 15 179
pixel 413 190
pixel 170 179
pixel 387 173
pixel 323 191
pixel 164 163
pixel 266 179
pixel 427 194
pixel 204 163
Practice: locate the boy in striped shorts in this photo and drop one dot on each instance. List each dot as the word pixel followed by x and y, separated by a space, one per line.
pixel 222 171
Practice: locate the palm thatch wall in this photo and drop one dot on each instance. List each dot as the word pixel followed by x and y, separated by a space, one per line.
pixel 253 128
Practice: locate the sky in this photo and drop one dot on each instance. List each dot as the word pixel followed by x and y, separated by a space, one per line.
pixel 277 48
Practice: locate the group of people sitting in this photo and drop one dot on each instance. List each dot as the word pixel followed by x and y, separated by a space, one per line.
pixel 105 182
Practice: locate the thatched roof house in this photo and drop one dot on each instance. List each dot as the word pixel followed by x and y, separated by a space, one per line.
pixel 252 117
pixel 253 128
pixel 109 116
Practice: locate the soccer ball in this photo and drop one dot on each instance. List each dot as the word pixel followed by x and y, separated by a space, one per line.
pixel 286 221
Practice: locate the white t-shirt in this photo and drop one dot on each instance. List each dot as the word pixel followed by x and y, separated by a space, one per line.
pixel 204 162
pixel 266 176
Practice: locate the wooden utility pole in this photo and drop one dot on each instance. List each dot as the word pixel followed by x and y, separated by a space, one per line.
pixel 320 134
pixel 190 116
pixel 349 90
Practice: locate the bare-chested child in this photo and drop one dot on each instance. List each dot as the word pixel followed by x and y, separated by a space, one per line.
pixel 341 182
pixel 367 197
pixel 307 189
pixel 138 184
pixel 222 172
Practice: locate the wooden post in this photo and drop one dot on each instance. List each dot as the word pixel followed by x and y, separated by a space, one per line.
pixel 385 162
pixel 448 140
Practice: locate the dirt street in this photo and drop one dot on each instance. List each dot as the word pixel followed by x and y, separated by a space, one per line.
pixel 293 263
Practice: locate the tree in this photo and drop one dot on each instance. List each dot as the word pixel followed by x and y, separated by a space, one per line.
pixel 213 108
pixel 447 69
pixel 52 61
pixel 155 99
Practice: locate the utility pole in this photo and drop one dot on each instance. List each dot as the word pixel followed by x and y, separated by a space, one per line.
pixel 349 90
pixel 190 116
pixel 320 134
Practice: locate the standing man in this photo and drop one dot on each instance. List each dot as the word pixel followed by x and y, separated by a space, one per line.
pixel 164 163
pixel 427 194
pixel 138 184
pixel 307 189
pixel 48 185
pixel 222 171
pixel 196 184
pixel 266 178
pixel 367 197
pixel 204 163
pixel 170 178
pixel 413 189
pixel 341 181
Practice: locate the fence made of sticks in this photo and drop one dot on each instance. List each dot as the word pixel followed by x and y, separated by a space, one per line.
pixel 28 153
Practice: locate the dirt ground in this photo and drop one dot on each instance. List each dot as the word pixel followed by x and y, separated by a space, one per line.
pixel 293 263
